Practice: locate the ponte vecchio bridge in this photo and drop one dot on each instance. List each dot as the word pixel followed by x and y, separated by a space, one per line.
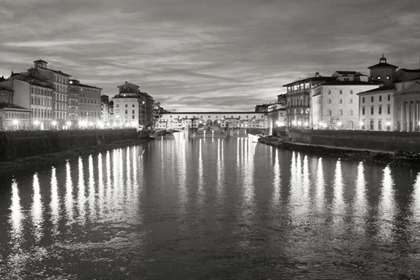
pixel 214 121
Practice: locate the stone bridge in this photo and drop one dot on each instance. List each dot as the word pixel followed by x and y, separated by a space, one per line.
pixel 212 121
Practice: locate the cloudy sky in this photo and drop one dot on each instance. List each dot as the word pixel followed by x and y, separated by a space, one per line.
pixel 206 54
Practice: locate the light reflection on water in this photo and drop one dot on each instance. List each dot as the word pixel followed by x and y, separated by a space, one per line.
pixel 204 207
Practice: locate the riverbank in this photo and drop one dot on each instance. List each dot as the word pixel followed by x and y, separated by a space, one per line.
pixel 21 164
pixel 378 156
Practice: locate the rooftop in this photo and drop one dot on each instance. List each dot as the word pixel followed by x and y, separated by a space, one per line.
pixel 379 89
pixel 319 78
pixel 350 83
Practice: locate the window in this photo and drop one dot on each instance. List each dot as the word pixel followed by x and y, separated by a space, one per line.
pixel 126 111
pixel 134 105
pixel 340 112
pixel 341 92
pixel 117 105
pixel 329 91
pixel 351 101
pixel 371 124
pixel 351 91
pixel 329 101
pixel 371 99
pixel 126 105
pixel 351 112
pixel 380 110
pixel 363 100
pixel 380 98
pixel 388 109
pixel 340 101
pixel 328 112
pixel 389 97
pixel 371 110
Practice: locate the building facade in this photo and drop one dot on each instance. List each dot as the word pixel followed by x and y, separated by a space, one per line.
pixel 12 117
pixel 89 111
pixel 335 105
pixel 298 99
pixel 133 108
pixel 376 109
pixel 383 72
pixel 60 81
pixel 407 106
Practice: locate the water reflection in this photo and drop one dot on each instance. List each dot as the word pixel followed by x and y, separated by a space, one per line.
pixel 415 203
pixel 69 195
pixel 81 194
pixel 276 179
pixel 91 186
pixel 37 210
pixel 338 202
pixel 200 171
pixel 386 205
pixel 289 207
pixel 55 202
pixel 360 202
pixel 320 186
pixel 16 217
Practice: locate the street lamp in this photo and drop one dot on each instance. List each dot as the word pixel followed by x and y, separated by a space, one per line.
pixel 68 123
pixel 339 124
pixel 16 123
pixel 54 124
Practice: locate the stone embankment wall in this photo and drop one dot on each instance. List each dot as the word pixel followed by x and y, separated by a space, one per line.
pixel 21 144
pixel 375 140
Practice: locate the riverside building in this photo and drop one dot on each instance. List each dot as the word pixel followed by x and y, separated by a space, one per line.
pixel 335 104
pixel 298 99
pixel 376 109
pixel 407 105
pixel 88 103
pixel 132 108
pixel 60 81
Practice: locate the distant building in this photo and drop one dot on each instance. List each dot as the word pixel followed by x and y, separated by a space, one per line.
pixel 132 107
pixel 407 105
pixel 404 75
pixel 335 104
pixel 105 116
pixel 12 117
pixel 89 102
pixel 298 99
pixel 276 117
pixel 60 81
pixel 383 72
pixel 263 108
pixel 35 95
pixel 376 109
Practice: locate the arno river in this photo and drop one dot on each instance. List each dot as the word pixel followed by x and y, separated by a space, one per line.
pixel 210 209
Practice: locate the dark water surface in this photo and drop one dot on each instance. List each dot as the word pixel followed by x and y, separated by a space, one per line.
pixel 210 209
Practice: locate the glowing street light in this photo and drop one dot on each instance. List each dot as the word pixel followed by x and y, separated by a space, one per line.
pixel 54 123
pixel 15 122
pixel 306 124
pixel 299 123
pixel 36 122
pixel 389 123
pixel 339 124
pixel 68 123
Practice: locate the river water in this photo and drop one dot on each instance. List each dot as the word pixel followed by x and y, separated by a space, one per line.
pixel 210 208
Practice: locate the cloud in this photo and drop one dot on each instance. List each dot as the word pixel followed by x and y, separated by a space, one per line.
pixel 207 55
